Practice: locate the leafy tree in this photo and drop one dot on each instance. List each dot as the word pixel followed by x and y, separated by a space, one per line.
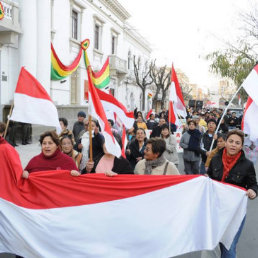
pixel 237 61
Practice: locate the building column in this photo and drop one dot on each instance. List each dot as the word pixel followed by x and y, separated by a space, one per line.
pixel 43 43
pixel 28 38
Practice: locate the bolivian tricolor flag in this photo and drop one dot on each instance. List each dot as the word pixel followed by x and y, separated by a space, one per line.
pixel 1 11
pixel 149 95
pixel 58 70
pixel 102 78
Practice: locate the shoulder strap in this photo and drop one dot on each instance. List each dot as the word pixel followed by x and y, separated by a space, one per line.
pixel 166 167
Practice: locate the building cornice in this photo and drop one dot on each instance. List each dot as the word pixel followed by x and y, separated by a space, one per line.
pixel 115 7
pixel 138 38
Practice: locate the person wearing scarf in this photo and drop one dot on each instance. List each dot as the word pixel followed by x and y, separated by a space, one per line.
pixel 67 148
pixel 190 142
pixel 51 158
pixel 154 162
pixel 231 166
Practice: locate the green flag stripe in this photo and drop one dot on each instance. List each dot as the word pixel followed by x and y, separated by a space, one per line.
pixel 103 84
pixel 54 74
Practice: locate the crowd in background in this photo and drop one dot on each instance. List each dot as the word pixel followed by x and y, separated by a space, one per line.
pixel 152 150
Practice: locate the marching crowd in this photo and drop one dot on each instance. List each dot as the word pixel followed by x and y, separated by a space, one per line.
pixel 152 150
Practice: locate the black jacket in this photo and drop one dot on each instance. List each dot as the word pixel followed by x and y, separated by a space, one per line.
pixel 242 173
pixel 135 153
pixel 77 128
pixel 156 131
pixel 206 144
pixel 121 166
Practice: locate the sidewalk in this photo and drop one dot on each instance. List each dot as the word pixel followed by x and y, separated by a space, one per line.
pixel 28 151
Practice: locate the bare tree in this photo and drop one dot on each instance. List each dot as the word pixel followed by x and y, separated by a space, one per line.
pixel 161 77
pixel 186 91
pixel 142 77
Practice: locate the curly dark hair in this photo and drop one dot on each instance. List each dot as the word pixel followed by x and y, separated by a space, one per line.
pixel 52 134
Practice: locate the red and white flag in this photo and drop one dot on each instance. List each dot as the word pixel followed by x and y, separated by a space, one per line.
pixel 97 111
pixel 32 104
pixel 124 142
pixel 111 104
pixel 53 214
pixel 149 113
pixel 249 124
pixel 176 100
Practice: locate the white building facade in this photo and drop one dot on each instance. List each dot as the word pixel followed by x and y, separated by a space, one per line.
pixel 29 26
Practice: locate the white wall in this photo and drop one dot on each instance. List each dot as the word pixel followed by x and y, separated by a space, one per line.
pixel 30 52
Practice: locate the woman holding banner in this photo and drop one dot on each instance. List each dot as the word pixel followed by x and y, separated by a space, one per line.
pixel 51 157
pixel 231 166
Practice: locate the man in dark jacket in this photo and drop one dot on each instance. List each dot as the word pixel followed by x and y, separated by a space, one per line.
pixel 151 123
pixel 233 121
pixel 157 129
pixel 206 143
pixel 78 125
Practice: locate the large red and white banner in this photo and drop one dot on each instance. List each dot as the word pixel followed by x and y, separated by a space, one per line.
pixel 52 214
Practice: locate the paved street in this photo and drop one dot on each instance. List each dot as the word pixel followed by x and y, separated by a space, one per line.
pixel 247 246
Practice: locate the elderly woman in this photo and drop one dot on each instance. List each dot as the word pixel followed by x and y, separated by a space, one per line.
pixel 67 148
pixel 135 151
pixel 231 166
pixel 51 158
pixel 170 152
pixel 190 142
pixel 154 162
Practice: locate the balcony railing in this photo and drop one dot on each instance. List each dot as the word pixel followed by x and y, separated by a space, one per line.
pixel 117 64
pixel 10 22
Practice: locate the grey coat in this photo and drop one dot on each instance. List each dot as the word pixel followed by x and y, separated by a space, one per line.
pixel 188 155
pixel 171 153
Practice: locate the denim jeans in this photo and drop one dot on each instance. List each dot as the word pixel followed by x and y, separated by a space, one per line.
pixel 202 168
pixel 231 253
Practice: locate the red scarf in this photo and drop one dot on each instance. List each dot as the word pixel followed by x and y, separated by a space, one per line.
pixel 228 163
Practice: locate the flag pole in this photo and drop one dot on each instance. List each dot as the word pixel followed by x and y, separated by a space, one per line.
pixel 169 120
pixel 225 111
pixel 90 136
pixel 8 121
pixel 90 118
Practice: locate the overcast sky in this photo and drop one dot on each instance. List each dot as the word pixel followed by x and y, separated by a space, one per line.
pixel 185 31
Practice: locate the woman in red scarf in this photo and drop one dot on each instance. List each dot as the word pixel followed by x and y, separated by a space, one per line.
pixel 51 158
pixel 231 166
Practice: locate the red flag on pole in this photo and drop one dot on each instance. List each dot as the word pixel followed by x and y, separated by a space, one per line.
pixel 176 100
pixel 149 113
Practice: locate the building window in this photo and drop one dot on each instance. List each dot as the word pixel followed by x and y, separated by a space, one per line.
pixel 74 24
pixel 129 57
pixel 97 37
pixel 75 87
pixel 113 44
